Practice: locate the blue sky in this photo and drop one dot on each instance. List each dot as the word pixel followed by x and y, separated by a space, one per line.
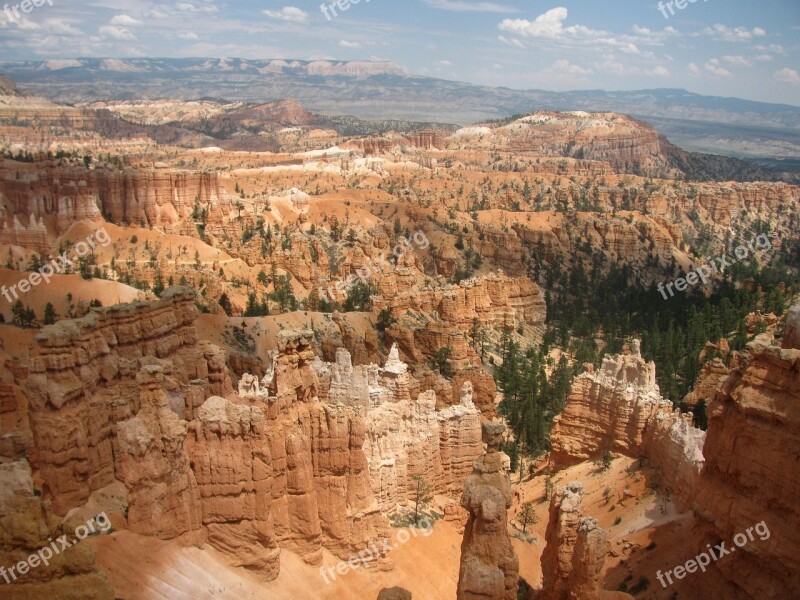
pixel 748 49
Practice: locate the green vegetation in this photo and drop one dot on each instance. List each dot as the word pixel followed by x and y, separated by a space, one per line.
pixel 531 400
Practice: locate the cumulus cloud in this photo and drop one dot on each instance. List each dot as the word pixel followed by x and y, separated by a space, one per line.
pixel 713 66
pixel 732 34
pixel 289 13
pixel 125 21
pixel 549 24
pixel 787 75
pixel 348 44
pixel 117 33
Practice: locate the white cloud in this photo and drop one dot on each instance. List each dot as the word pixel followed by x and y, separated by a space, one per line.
pixel 715 68
pixel 289 13
pixel 125 21
pixel 659 71
pixel 787 75
pixel 732 34
pixel 117 33
pixel 739 61
pixel 771 48
pixel 549 27
pixel 511 41
pixel 464 6
pixel 549 24
pixel 348 44
pixel 564 66
pixel 193 8
pixel 695 70
pixel 189 35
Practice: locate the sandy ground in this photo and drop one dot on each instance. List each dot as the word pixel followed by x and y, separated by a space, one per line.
pixel 141 568
pixel 55 292
pixel 145 569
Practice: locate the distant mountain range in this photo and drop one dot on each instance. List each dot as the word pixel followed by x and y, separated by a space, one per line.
pixel 380 90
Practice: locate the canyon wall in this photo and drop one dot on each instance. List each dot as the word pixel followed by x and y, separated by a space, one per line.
pixel 620 409
pixel 751 461
pixel 737 478
pixel 311 456
pixel 59 196
pixel 83 382
pixel 405 434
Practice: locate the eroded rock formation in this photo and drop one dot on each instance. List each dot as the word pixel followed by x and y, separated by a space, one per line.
pixel 620 409
pixel 751 455
pixel 575 551
pixel 83 383
pixel 406 435
pixel 26 527
pixel 489 564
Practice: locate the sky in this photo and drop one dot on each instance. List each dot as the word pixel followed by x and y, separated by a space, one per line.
pixel 748 49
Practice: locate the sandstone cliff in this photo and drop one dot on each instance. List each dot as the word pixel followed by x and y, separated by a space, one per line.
pixel 620 409
pixel 750 475
pixel 82 384
pixel 59 196
pixel 405 433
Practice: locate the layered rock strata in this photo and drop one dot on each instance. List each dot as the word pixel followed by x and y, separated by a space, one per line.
pixel 489 564
pixel 26 527
pixel 620 409
pixel 750 476
pixel 61 196
pixel 83 384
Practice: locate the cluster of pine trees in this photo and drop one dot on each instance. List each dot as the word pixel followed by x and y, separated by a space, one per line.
pixel 592 314
pixel 530 398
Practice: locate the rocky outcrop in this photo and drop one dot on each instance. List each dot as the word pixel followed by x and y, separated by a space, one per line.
pixel 489 564
pixel 431 318
pixel 620 409
pixel 495 300
pixel 151 461
pixel 66 195
pixel 575 551
pixel 750 477
pixel 232 463
pixel 405 434
pixel 83 383
pixel 394 593
pixel 26 527
pixel 619 140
